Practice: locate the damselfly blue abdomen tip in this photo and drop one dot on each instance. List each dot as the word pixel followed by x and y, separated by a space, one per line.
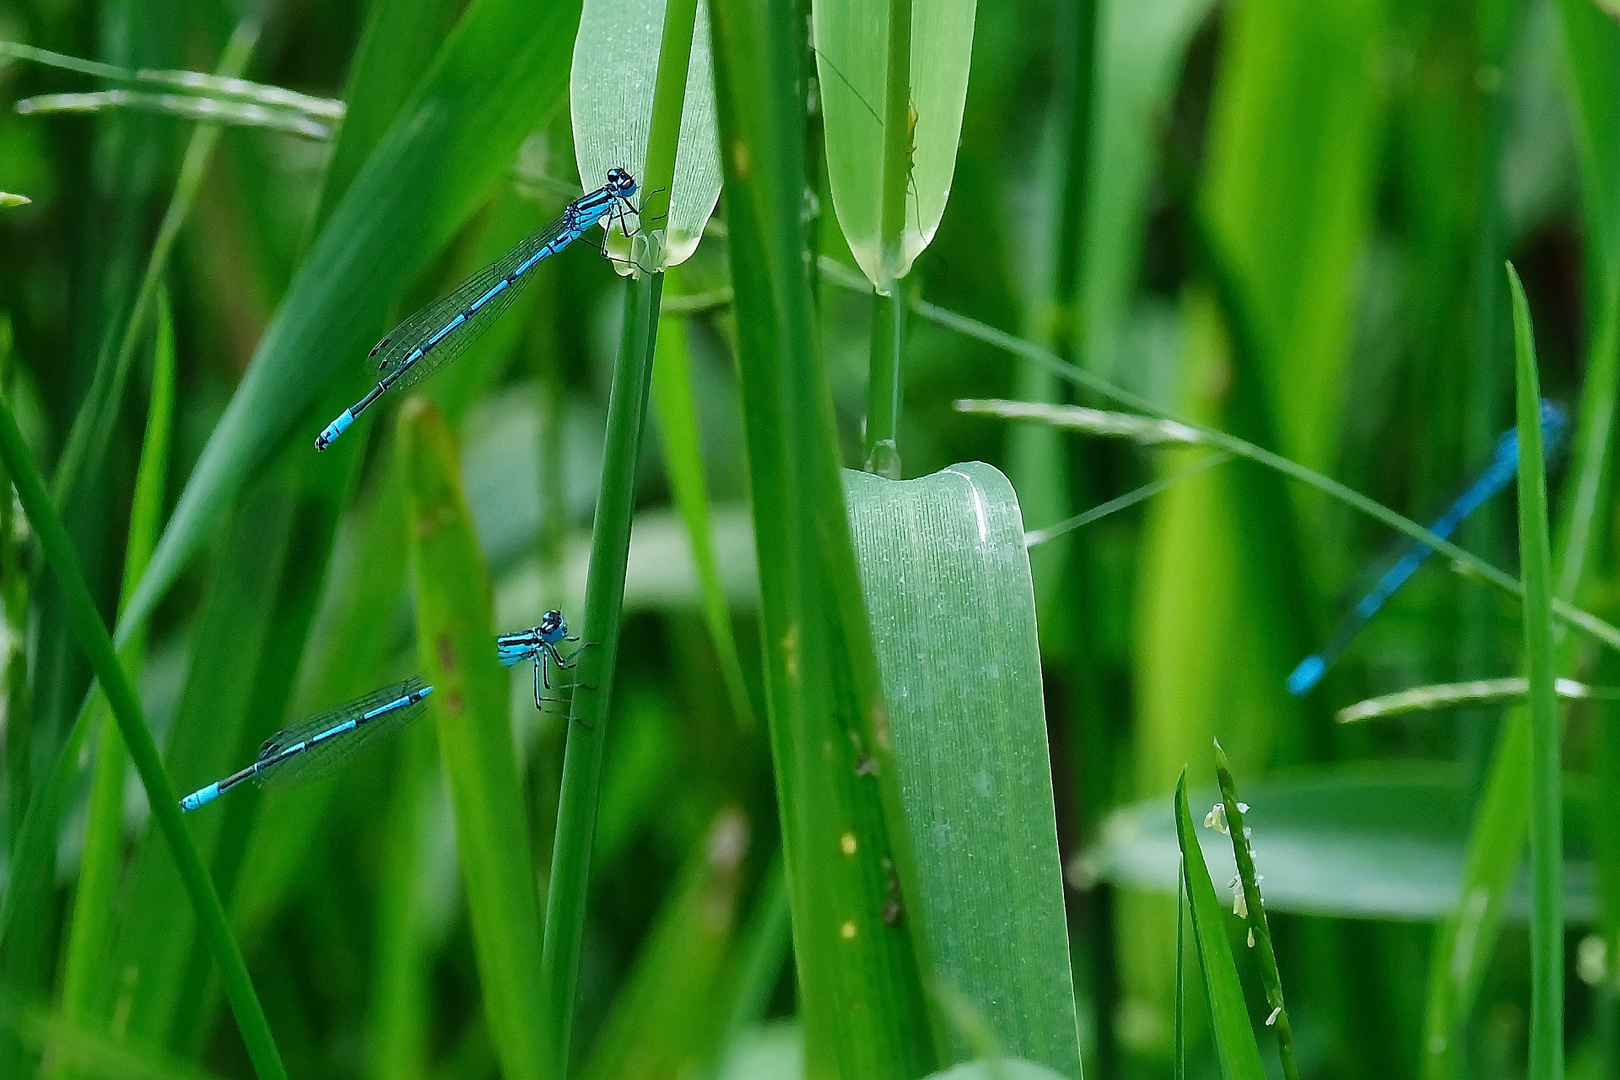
pixel 1304 677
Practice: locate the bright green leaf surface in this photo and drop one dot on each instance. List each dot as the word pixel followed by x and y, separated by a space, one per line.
pixel 469 705
pixel 947 579
pixel 1012 1069
pixel 611 96
pixel 851 39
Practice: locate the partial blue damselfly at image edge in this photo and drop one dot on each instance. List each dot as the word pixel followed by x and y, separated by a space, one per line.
pixel 442 331
pixel 1504 467
pixel 316 745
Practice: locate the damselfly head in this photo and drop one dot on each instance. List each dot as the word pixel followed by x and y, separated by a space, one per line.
pixel 552 628
pixel 620 183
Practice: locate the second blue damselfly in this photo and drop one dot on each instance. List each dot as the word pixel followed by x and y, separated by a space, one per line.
pixel 442 331
pixel 1504 467
pixel 315 746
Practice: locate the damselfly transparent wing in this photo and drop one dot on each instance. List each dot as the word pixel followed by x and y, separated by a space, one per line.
pixel 420 328
pixel 322 758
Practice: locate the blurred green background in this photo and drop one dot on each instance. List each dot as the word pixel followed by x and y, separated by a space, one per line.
pixel 1283 219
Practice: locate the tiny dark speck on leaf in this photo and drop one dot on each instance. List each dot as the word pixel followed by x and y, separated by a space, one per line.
pixel 447 653
pixel 894 910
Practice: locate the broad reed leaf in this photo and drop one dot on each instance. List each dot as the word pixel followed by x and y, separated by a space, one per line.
pixel 469 706
pixel 997 1069
pixel 611 98
pixel 1235 1044
pixel 494 79
pixel 953 618
pixel 852 41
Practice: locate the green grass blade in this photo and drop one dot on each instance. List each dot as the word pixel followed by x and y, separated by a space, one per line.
pixel 859 99
pixel 676 410
pixel 761 952
pixel 399 1017
pixel 496 76
pixel 1466 944
pixel 604 603
pixel 1181 974
pixel 1545 761
pixel 860 988
pixel 612 89
pixel 384 71
pixel 98 645
pixel 1139 58
pixel 1404 862
pixel 610 552
pixel 1259 925
pixel 88 438
pixel 84 984
pixel 87 1051
pixel 210 735
pixel 668 1018
pixel 1235 1045
pixel 946 571
pixel 469 704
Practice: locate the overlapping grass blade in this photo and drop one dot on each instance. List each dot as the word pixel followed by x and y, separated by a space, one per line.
pixel 860 989
pixel 497 74
pixel 469 705
pixel 143 751
pixel 1465 945
pixel 610 552
pixel 87 439
pixel 84 986
pixel 1235 1045
pixel 683 458
pixel 1259 925
pixel 1546 759
pixel 669 1017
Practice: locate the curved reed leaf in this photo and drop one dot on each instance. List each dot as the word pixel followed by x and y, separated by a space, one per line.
pixel 852 43
pixel 611 100
pixel 953 618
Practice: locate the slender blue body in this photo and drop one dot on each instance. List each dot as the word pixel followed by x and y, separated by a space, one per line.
pixel 443 330
pixel 315 746
pixel 1504 467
